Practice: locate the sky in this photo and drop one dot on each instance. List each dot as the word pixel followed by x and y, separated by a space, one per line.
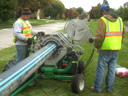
pixel 87 4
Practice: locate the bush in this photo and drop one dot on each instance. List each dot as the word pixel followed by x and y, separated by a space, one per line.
pixel 7 8
pixel 63 16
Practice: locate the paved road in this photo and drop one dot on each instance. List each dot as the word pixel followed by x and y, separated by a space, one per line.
pixel 6 35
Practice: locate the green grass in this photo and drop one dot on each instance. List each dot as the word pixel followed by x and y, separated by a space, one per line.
pixel 7 24
pixel 44 21
pixel 34 22
pixel 51 87
pixel 126 23
pixel 6 55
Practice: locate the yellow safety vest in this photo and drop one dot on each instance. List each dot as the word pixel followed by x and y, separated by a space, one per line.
pixel 26 29
pixel 113 36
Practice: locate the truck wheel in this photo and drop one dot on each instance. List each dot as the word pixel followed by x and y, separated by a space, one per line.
pixel 81 67
pixel 78 83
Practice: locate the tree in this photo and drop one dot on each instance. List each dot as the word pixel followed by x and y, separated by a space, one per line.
pixel 58 16
pixel 126 11
pixel 126 5
pixel 80 10
pixel 105 2
pixel 34 5
pixel 75 14
pixel 7 8
pixel 73 8
pixel 121 12
pixel 67 13
pixel 70 13
pixel 56 7
pixel 63 16
pixel 94 13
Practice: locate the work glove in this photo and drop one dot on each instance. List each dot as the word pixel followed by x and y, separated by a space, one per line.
pixel 29 41
pixel 91 40
pixel 41 33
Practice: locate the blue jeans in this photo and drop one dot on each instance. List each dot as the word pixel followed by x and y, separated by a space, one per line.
pixel 106 58
pixel 22 52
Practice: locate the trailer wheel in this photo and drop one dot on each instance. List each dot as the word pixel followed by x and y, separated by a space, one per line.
pixel 81 67
pixel 78 83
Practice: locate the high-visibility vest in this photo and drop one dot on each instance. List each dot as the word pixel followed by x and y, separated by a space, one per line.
pixel 26 30
pixel 113 36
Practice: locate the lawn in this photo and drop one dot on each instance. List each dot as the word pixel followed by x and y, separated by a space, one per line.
pixel 51 87
pixel 126 23
pixel 34 22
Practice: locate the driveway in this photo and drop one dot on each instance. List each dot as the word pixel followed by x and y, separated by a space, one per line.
pixel 6 35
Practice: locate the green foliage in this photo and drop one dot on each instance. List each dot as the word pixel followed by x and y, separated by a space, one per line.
pixel 63 16
pixel 80 10
pixel 33 16
pixel 75 14
pixel 126 5
pixel 42 13
pixel 71 13
pixel 105 2
pixel 57 7
pixel 7 8
pixel 126 23
pixel 13 8
pixel 58 16
pixel 123 13
pixel 126 14
pixel 94 13
pixel 34 5
pixel 7 24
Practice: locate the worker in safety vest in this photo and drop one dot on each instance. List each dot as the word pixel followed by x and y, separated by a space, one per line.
pixel 108 41
pixel 22 35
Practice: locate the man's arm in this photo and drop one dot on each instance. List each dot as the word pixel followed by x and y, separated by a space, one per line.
pixel 100 35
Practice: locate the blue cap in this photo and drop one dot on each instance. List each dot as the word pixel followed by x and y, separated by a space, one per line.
pixel 103 7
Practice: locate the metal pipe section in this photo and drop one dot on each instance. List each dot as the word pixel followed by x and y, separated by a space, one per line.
pixel 11 79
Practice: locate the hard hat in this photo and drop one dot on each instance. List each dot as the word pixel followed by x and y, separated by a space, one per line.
pixel 103 7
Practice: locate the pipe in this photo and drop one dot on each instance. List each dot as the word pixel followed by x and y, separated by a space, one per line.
pixel 11 79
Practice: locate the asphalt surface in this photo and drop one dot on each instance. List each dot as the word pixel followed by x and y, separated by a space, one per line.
pixel 6 35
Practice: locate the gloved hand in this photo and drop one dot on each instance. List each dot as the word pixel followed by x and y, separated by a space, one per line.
pixel 29 41
pixel 91 40
pixel 41 33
